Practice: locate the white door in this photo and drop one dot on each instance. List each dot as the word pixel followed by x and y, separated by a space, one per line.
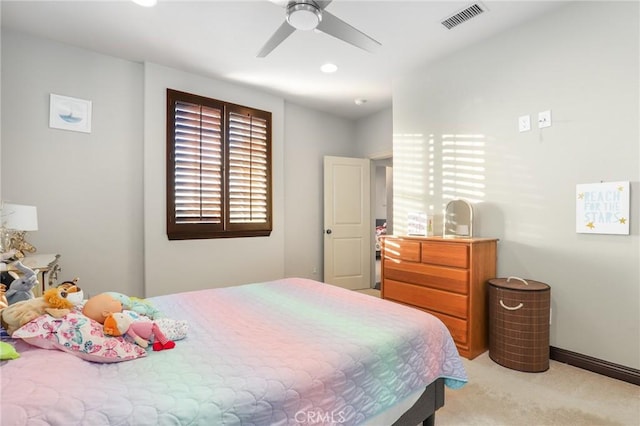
pixel 347 222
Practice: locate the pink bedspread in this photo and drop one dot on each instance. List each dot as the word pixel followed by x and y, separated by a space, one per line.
pixel 280 353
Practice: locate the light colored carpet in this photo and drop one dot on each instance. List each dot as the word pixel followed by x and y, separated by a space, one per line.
pixel 370 292
pixel 561 396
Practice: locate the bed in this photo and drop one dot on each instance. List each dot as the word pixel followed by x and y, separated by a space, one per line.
pixel 286 352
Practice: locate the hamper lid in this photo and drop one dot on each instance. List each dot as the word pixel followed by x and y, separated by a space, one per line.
pixel 515 283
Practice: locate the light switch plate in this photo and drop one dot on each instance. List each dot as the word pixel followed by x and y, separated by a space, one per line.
pixel 544 119
pixel 524 123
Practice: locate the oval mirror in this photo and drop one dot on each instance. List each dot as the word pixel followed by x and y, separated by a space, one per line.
pixel 458 219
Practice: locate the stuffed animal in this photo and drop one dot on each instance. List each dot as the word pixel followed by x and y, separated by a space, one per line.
pixel 7 352
pixel 54 302
pixel 136 304
pixel 3 299
pixel 141 332
pixel 22 287
pixel 100 306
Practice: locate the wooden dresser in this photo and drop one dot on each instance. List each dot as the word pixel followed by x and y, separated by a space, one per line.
pixel 446 277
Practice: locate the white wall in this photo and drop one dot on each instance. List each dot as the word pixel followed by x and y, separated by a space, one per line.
pixel 309 136
pixel 93 208
pixel 183 265
pixel 374 135
pixel 582 62
pixel 87 187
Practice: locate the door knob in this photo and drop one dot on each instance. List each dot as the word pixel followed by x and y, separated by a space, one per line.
pixel 329 231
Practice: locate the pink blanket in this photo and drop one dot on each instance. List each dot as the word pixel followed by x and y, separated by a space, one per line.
pixel 287 352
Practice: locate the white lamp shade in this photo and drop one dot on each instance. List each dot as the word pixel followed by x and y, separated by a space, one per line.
pixel 19 217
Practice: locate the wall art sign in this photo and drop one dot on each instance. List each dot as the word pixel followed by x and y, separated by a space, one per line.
pixel 69 113
pixel 602 208
pixel 419 223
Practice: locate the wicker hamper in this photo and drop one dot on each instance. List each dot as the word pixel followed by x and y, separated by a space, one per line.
pixel 519 323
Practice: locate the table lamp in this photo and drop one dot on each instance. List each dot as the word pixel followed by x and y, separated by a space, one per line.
pixel 15 221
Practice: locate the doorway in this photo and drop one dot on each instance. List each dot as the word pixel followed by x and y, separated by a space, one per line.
pixel 382 208
pixel 347 222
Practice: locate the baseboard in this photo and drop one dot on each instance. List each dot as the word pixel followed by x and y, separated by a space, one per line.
pixel 606 368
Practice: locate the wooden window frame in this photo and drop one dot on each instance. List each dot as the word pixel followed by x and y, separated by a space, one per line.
pixel 228 225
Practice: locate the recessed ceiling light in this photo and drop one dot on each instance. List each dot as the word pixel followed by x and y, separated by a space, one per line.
pixel 360 101
pixel 329 68
pixel 146 3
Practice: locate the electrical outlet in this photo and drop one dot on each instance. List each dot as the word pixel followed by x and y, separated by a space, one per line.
pixel 544 119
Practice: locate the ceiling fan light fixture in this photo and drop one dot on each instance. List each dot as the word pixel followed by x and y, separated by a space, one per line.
pixel 303 16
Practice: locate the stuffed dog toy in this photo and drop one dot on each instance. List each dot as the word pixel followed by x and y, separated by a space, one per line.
pixel 56 302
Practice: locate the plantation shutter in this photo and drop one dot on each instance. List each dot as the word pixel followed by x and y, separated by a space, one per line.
pixel 218 169
pixel 248 169
pixel 198 164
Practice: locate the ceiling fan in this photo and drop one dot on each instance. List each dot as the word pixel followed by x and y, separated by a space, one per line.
pixel 307 15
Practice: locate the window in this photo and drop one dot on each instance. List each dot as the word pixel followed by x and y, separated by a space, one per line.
pixel 218 169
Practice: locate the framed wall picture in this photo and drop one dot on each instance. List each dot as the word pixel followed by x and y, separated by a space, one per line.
pixel 69 113
pixel 419 223
pixel 602 208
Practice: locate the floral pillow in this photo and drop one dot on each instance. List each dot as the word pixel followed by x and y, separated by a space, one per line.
pixel 80 336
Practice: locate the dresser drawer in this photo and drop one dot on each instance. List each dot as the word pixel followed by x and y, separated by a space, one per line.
pixel 402 250
pixel 438 277
pixel 447 254
pixel 426 298
pixel 456 326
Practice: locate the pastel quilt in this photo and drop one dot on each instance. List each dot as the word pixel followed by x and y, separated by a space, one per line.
pixel 288 352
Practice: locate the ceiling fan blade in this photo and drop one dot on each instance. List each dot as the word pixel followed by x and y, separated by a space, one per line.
pixel 337 28
pixel 278 37
pixel 322 4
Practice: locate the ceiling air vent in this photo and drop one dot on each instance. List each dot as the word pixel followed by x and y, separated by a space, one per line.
pixel 464 15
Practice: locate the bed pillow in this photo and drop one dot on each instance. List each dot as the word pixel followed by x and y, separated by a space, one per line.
pixel 78 335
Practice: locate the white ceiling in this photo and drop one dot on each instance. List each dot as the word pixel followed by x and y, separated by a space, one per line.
pixel 220 39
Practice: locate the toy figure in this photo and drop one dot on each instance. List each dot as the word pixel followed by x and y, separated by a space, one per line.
pixel 54 302
pixel 141 332
pixel 100 306
pixel 140 306
pixel 22 287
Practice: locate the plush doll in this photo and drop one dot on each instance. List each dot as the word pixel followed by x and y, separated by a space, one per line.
pixel 141 332
pixel 54 302
pixel 135 304
pixel 22 287
pixel 100 306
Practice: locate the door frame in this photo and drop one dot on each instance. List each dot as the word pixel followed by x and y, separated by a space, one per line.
pixel 384 155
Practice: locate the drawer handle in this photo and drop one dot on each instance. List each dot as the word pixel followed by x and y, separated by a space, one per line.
pixel 509 308
pixel 519 279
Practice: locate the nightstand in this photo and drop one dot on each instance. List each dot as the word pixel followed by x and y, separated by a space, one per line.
pixel 46 264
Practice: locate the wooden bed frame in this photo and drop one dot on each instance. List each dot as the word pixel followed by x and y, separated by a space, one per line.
pixel 424 410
